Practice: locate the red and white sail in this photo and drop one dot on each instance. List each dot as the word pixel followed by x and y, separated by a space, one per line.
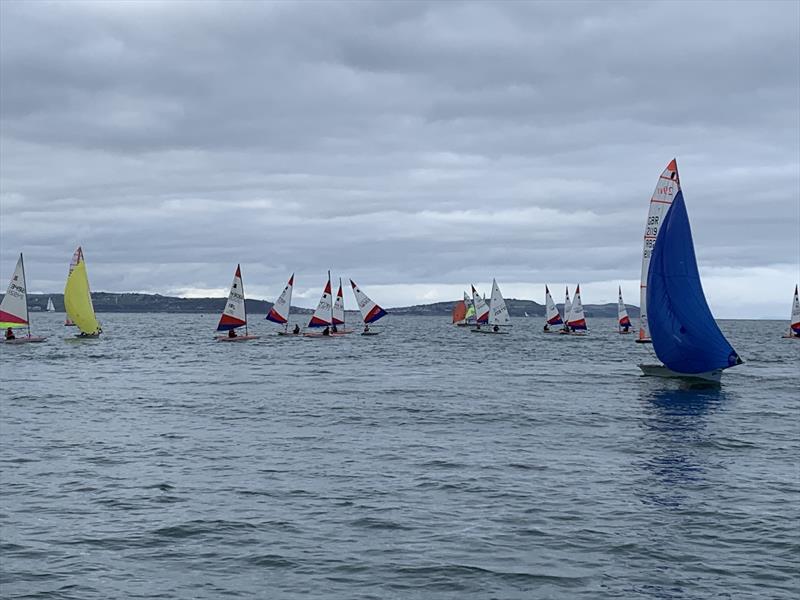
pixel 14 307
pixel 370 311
pixel 552 316
pixel 794 325
pixel 234 314
pixel 667 187
pixel 322 315
pixel 498 311
pixel 481 308
pixel 622 313
pixel 576 319
pixel 338 307
pixel 279 313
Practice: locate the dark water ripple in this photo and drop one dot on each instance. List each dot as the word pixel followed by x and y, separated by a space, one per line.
pixel 422 463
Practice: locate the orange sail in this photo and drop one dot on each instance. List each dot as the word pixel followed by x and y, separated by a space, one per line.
pixel 459 312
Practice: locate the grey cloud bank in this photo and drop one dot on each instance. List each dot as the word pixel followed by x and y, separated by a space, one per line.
pixel 415 147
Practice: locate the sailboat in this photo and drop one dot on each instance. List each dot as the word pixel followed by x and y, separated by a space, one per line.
pixel 576 321
pixel 14 307
pixel 684 334
pixel 498 312
pixel 279 313
pixel 567 304
pixel 50 306
pixel 324 312
pixel 481 309
pixel 235 313
pixel 794 323
pixel 623 320
pixel 76 257
pixel 551 316
pixel 337 316
pixel 460 313
pixel 78 298
pixel 469 318
pixel 370 312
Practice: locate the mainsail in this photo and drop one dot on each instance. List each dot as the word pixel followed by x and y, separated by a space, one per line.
pixel 370 311
pixel 481 309
pixel 685 336
pixel 567 304
pixel 576 319
pixel 14 307
pixel 337 317
pixel 322 315
pixel 622 313
pixel 235 314
pixel 552 317
pixel 50 306
pixel 279 313
pixel 459 313
pixel 78 298
pixel 667 189
pixel 794 324
pixel 498 311
pixel 470 316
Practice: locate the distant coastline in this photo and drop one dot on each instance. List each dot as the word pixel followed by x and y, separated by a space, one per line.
pixel 156 303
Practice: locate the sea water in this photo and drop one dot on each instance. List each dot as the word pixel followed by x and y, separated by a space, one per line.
pixel 425 462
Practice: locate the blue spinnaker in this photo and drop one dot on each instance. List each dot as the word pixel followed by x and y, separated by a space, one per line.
pixel 686 338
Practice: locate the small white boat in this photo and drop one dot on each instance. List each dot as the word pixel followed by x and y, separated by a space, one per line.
pixel 551 315
pixel 235 313
pixel 280 311
pixel 50 306
pixel 623 320
pixel 323 315
pixel 576 320
pixel 370 312
pixel 794 323
pixel 14 309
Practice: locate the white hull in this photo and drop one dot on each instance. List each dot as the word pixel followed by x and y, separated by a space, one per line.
pixel 662 371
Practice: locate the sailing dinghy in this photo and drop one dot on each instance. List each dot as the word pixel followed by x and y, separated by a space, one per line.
pixel 78 299
pixel 552 316
pixel 279 313
pixel 324 312
pixel 794 324
pixel 576 321
pixel 337 316
pixel 623 320
pixel 50 306
pixel 684 334
pixel 567 304
pixel 460 312
pixel 498 313
pixel 481 309
pixel 235 313
pixel 14 307
pixel 370 312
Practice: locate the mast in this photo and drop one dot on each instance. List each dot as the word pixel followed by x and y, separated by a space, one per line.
pixel 25 284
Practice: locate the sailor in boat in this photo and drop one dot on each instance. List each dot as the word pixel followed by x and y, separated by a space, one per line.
pixel 296 330
pixel 496 328
pixel 326 331
pixel 546 327
pixel 566 328
pixel 366 328
pixel 10 334
pixel 334 329
pixel 625 328
pixel 231 333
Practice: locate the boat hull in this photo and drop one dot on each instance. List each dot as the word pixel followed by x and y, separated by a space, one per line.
pixel 238 338
pixel 28 339
pixel 370 332
pixel 788 336
pixel 662 371
pixel 490 331
pixel 574 333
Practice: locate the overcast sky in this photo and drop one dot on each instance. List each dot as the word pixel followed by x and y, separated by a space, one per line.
pixel 416 147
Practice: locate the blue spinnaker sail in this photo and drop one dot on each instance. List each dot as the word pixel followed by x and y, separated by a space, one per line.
pixel 686 338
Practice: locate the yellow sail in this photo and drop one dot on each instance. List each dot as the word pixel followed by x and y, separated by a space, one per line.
pixel 78 301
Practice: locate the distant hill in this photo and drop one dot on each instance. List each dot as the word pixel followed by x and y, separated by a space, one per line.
pixel 148 303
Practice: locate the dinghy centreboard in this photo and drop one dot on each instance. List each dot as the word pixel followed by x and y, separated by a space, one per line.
pixel 235 313
pixel 78 298
pixel 794 323
pixel 498 313
pixel 370 312
pixel 14 307
pixel 623 320
pixel 684 334
pixel 551 315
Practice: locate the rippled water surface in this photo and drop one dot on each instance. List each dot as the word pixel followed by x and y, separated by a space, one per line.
pixel 426 462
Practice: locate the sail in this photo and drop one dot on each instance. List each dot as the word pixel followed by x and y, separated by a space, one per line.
pixel 14 307
pixel 794 325
pixel 567 305
pixel 78 299
pixel 576 319
pixel 322 316
pixel 552 317
pixel 622 313
pixel 685 336
pixel 77 256
pixel 470 316
pixel 667 188
pixel 459 313
pixel 370 311
pixel 481 309
pixel 338 307
pixel 234 314
pixel 279 313
pixel 498 311
pixel 50 306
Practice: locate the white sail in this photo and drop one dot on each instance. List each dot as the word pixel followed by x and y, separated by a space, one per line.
pixel 338 307
pixel 576 319
pixel 50 306
pixel 481 309
pixel 667 187
pixel 794 326
pixel 234 314
pixel 552 316
pixel 14 307
pixel 283 305
pixel 370 311
pixel 622 313
pixel 322 315
pixel 567 305
pixel 498 311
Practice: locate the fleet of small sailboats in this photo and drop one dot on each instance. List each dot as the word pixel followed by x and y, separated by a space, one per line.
pixel 78 298
pixel 14 308
pixel 498 313
pixel 234 314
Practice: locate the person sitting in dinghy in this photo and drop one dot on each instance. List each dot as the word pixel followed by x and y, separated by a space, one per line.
pixel 296 329
pixel 366 328
pixel 326 331
pixel 231 333
pixel 546 327
pixel 496 328
pixel 334 329
pixel 10 334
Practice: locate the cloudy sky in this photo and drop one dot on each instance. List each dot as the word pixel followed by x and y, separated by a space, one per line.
pixel 413 146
